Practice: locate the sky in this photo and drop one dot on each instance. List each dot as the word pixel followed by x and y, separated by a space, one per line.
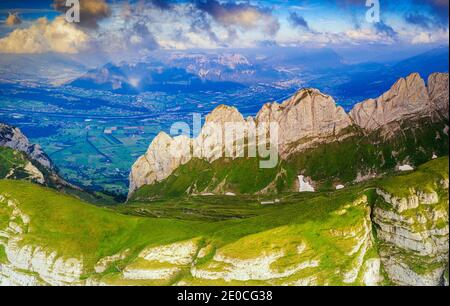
pixel 139 27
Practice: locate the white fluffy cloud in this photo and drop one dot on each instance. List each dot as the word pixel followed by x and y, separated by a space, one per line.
pixel 45 36
pixel 430 37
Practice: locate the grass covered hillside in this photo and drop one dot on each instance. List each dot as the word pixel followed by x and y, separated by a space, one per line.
pixel 325 238
pixel 16 165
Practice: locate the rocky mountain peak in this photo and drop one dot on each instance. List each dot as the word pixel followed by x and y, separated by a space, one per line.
pixel 309 114
pixel 39 167
pixel 407 97
pixel 306 120
pixel 411 89
pixel 161 140
pixel 302 95
pixel 224 113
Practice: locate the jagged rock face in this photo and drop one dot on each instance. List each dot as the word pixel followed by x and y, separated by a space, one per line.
pixel 307 117
pixel 407 98
pixel 35 164
pixel 164 155
pixel 211 142
pixel 41 265
pixel 306 120
pixel 13 138
pixel 413 232
pixel 438 93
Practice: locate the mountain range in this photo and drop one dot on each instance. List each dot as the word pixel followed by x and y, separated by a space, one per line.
pixel 375 136
pixel 357 198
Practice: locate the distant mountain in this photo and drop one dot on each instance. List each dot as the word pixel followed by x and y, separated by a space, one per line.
pixel 352 83
pixel 251 66
pixel 436 60
pixel 54 68
pixel 134 78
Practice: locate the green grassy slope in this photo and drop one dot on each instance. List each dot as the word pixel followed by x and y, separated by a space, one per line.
pixel 12 166
pixel 12 160
pixel 75 228
pixel 234 227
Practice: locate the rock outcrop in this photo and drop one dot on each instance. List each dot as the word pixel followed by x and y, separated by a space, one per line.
pixel 164 155
pixel 13 138
pixel 308 118
pixel 394 232
pixel 408 97
pixel 438 93
pixel 413 235
pixel 33 164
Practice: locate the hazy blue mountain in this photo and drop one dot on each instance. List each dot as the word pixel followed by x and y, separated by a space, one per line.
pixel 436 60
pixel 131 79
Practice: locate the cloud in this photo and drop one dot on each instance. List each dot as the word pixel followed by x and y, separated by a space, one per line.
pixel 161 4
pixel 13 20
pixel 385 29
pixel 298 21
pixel 433 13
pixel 380 34
pixel 420 20
pixel 242 15
pixel 141 37
pixel 422 37
pixel 91 11
pixel 45 36
pixel 438 6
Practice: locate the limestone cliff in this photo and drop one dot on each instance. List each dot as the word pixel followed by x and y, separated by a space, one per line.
pixel 307 120
pixel 393 231
pixel 438 93
pixel 13 138
pixel 408 97
pixel 413 234
pixel 30 161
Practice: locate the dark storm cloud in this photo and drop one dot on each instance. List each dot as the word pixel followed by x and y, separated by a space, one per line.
pixel 243 15
pixel 431 14
pixel 385 29
pixel 147 40
pixel 298 21
pixel 200 23
pixel 420 20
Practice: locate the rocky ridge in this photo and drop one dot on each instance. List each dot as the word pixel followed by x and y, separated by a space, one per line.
pixel 308 119
pixel 32 159
pixel 408 97
pixel 13 138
